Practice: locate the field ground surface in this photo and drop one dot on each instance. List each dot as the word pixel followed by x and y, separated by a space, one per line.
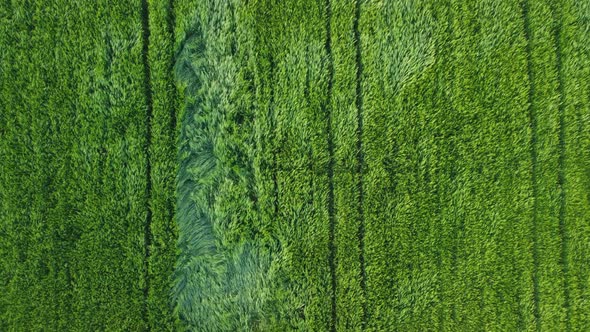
pixel 282 165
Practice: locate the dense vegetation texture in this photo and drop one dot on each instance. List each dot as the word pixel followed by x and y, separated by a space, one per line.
pixel 282 165
pixel 87 166
pixel 384 165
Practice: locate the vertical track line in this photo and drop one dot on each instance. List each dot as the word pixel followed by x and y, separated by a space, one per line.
pixel 148 193
pixel 360 158
pixel 330 130
pixel 557 17
pixel 456 227
pixel 533 142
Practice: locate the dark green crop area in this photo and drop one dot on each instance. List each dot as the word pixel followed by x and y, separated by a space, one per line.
pixel 295 165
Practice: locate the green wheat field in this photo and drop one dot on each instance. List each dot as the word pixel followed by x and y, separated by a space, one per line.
pixel 295 165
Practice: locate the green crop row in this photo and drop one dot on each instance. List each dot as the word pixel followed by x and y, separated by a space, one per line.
pixel 462 173
pixel 397 41
pixel 74 182
pixel 163 166
pixel 544 94
pixel 345 124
